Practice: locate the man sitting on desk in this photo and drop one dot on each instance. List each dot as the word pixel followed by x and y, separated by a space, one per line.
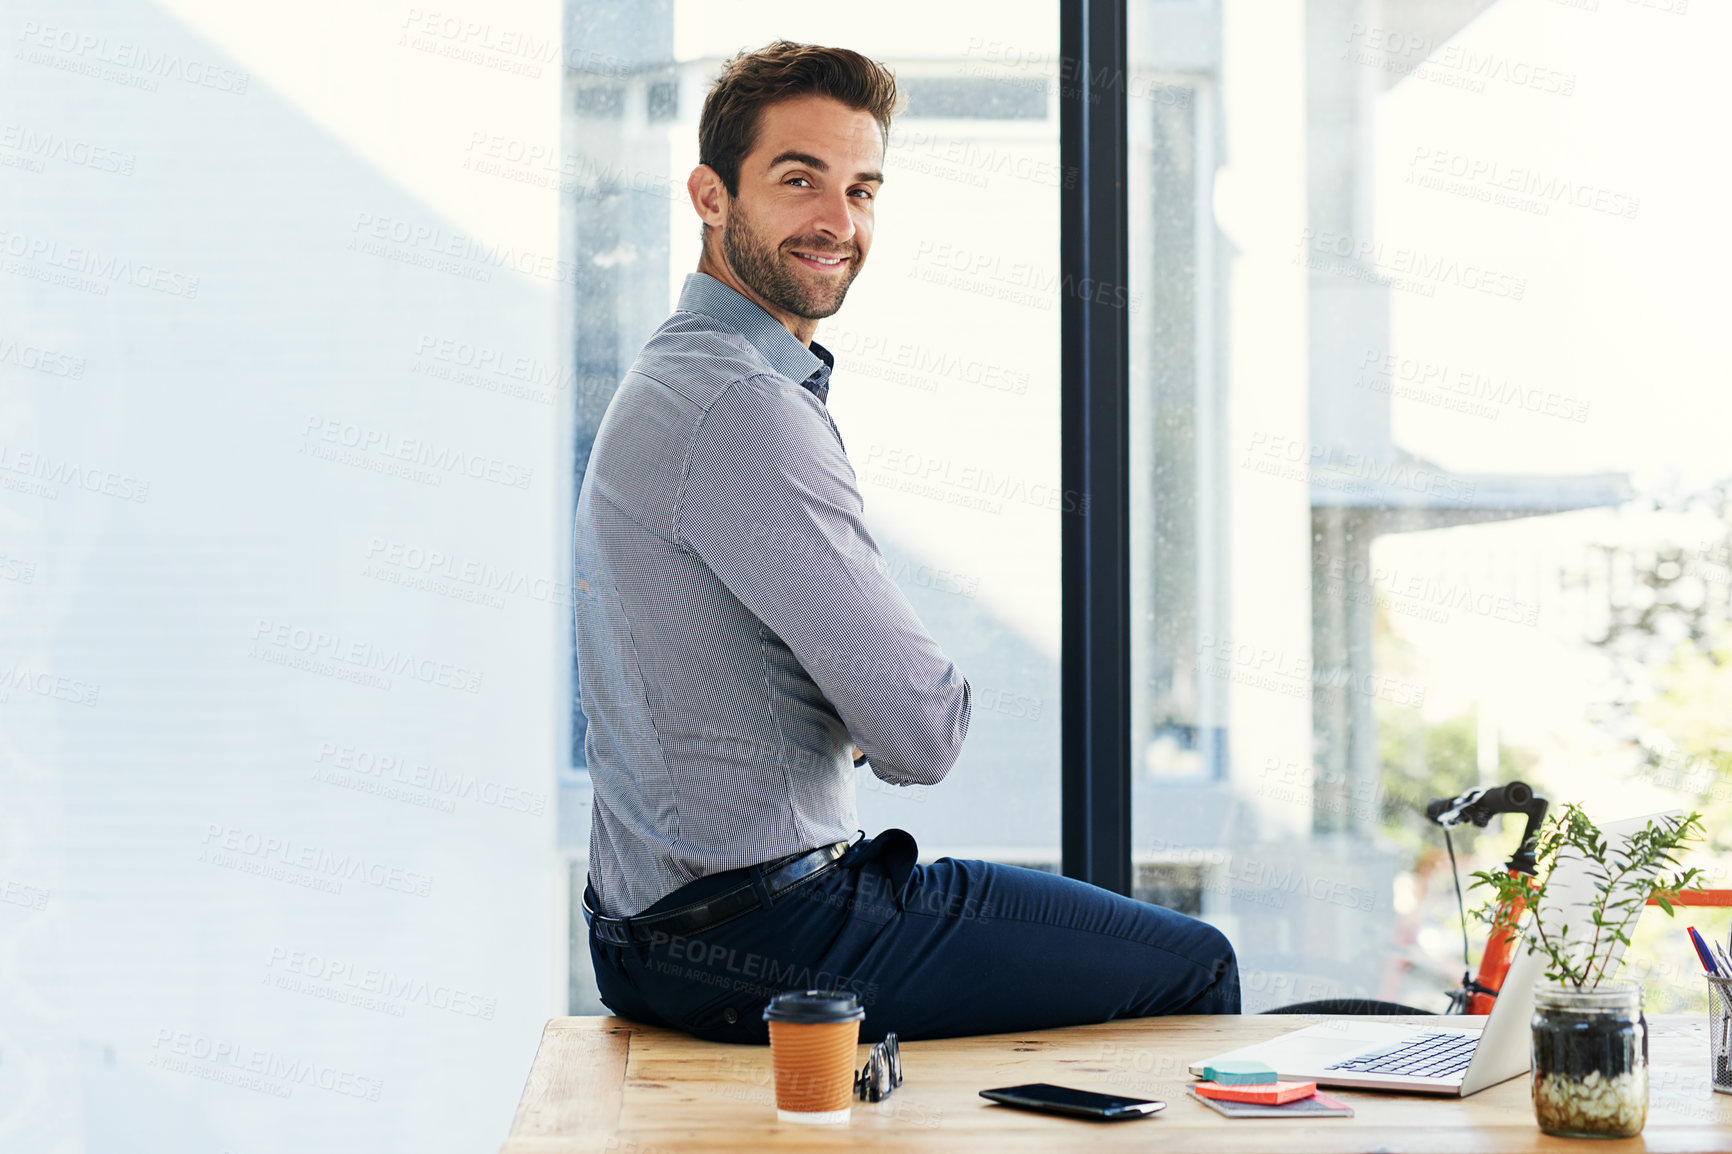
pixel 744 639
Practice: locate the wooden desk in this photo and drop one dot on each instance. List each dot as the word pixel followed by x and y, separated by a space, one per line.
pixel 605 1084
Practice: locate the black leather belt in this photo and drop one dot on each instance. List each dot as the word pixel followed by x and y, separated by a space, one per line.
pixel 778 877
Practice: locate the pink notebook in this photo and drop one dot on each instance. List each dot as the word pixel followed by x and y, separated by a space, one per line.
pixel 1318 1105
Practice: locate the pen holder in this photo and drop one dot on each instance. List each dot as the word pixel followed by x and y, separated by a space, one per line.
pixel 1720 1033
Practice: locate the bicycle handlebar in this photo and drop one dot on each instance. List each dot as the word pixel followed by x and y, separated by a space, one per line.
pixel 1479 806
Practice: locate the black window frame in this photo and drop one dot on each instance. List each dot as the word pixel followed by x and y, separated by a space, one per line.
pixel 1094 435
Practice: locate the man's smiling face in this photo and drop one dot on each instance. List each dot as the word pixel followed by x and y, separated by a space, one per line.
pixel 797 234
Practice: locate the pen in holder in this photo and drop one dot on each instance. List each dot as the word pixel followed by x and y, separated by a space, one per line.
pixel 1720 1032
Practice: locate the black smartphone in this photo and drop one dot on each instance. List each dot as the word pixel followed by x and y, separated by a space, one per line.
pixel 1077 1103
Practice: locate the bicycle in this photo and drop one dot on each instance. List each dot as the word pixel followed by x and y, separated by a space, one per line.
pixel 1479 989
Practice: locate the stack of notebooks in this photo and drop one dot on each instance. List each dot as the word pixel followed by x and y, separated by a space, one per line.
pixel 1250 1090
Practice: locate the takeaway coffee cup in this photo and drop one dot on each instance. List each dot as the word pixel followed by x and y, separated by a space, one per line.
pixel 813 1034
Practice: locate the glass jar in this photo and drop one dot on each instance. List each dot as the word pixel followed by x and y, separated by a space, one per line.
pixel 1590 1051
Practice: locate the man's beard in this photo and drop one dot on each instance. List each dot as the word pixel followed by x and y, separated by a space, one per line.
pixel 760 265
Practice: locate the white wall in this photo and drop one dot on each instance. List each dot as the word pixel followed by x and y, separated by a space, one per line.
pixel 232 238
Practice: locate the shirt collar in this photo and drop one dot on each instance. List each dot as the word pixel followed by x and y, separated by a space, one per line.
pixel 703 293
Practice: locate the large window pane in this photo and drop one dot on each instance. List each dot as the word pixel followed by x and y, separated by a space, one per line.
pixel 947 351
pixel 1429 457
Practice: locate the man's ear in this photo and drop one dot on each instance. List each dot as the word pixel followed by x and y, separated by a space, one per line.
pixel 709 195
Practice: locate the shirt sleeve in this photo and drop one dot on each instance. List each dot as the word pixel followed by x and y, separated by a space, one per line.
pixel 770 505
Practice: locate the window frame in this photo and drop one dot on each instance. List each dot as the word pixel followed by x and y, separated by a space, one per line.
pixel 1094 445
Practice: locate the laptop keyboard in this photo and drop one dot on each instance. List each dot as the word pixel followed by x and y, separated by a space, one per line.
pixel 1425 1056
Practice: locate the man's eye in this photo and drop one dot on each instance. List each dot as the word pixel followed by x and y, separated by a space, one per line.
pixel 867 191
pixel 799 178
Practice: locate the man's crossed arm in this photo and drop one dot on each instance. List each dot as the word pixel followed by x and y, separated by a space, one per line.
pixel 772 508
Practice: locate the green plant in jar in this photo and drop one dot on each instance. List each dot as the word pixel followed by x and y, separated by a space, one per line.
pixel 1590 1039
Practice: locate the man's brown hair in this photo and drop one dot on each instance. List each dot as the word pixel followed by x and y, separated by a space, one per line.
pixel 728 126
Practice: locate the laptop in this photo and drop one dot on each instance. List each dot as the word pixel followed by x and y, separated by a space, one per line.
pixel 1445 1058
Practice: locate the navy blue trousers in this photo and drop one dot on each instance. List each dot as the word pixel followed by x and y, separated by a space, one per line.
pixel 935 951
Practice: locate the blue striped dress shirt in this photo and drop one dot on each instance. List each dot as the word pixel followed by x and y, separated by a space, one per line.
pixel 737 627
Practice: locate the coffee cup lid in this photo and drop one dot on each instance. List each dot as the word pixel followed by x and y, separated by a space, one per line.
pixel 813 1006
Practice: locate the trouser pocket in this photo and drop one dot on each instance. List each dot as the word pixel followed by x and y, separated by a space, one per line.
pixel 732 1016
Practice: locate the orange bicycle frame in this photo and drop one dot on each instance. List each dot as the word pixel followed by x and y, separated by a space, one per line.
pixel 1499 952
